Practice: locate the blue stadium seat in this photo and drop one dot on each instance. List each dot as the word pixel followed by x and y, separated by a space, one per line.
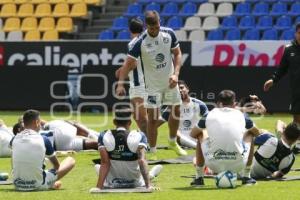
pixel 295 9
pixel 242 9
pixel 247 22
pixel 283 22
pixel 216 34
pixel 252 34
pixel 120 23
pixel 106 35
pixel 233 34
pixel 297 20
pixel 144 1
pixel 229 22
pixel 162 21
pixel 153 6
pixel 264 22
pixel 288 34
pixel 123 35
pixel 188 9
pixel 175 22
pixel 134 10
pixel 278 9
pixel 198 1
pixel 270 1
pixel 288 1
pixel 270 34
pixel 179 1
pixel 253 1
pixel 260 9
pixel 169 9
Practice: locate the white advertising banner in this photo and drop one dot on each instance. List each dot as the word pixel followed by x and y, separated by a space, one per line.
pixel 237 53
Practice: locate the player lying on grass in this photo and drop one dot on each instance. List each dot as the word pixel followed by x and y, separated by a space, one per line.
pixel 29 150
pixel 5 137
pixel 251 104
pixel 227 143
pixel 63 135
pixel 191 111
pixel 274 156
pixel 123 163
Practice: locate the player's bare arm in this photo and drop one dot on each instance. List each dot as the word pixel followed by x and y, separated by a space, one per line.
pixel 143 166
pixel 129 64
pixel 104 169
pixel 173 80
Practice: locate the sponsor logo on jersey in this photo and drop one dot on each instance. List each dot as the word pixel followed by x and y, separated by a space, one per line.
pixel 151 99
pixel 187 123
pixel 166 40
pixel 224 155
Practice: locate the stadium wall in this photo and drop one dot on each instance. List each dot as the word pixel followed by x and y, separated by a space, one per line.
pixel 80 75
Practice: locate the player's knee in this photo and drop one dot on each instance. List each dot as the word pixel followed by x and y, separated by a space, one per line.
pixel 71 161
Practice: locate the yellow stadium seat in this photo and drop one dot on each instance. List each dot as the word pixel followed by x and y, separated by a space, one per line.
pixel 38 1
pixel 25 10
pixel 51 35
pixel 43 10
pixel 57 1
pixel 64 24
pixel 46 24
pixel 61 10
pixel 79 10
pixel 12 24
pixel 33 35
pixel 8 10
pixel 21 1
pixel 94 2
pixel 6 1
pixel 75 1
pixel 29 23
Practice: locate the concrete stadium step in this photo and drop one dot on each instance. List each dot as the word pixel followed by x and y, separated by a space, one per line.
pixel 110 15
pixel 88 36
pixel 96 29
pixel 116 8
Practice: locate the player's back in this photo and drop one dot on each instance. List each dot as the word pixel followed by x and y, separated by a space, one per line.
pixel 225 128
pixel 121 146
pixel 28 154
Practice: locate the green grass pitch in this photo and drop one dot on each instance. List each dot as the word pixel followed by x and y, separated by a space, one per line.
pixel 77 184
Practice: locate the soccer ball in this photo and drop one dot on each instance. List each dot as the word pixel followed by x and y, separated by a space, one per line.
pixel 226 179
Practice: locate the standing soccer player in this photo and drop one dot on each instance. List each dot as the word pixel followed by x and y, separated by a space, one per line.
pixel 290 63
pixel 136 78
pixel 155 48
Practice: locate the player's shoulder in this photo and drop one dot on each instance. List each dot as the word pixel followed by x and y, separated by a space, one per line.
pixel 166 29
pixel 137 40
pixel 197 101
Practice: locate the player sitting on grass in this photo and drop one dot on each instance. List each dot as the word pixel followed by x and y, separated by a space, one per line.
pixel 274 157
pixel 63 135
pixel 191 111
pixel 29 150
pixel 5 137
pixel 123 163
pixel 227 143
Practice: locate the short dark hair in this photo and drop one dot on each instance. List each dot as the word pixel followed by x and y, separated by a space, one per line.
pixel 151 17
pixel 122 115
pixel 29 116
pixel 136 25
pixel 226 97
pixel 297 26
pixel 17 128
pixel 292 132
pixel 182 82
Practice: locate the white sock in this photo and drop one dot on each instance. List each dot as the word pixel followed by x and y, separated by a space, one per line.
pixel 97 169
pixel 187 142
pixel 172 139
pixel 199 171
pixel 246 172
pixel 155 171
pixel 153 150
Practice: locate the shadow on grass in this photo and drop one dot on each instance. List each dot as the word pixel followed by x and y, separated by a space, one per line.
pixel 33 191
pixel 204 188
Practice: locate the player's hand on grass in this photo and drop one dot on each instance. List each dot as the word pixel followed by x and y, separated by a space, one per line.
pixel 95 189
pixel 153 188
pixel 268 84
pixel 173 81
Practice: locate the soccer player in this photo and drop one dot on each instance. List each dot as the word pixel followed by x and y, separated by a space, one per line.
pixel 155 48
pixel 274 157
pixel 191 111
pixel 123 163
pixel 29 150
pixel 289 64
pixel 251 104
pixel 63 135
pixel 227 143
pixel 136 78
pixel 5 137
